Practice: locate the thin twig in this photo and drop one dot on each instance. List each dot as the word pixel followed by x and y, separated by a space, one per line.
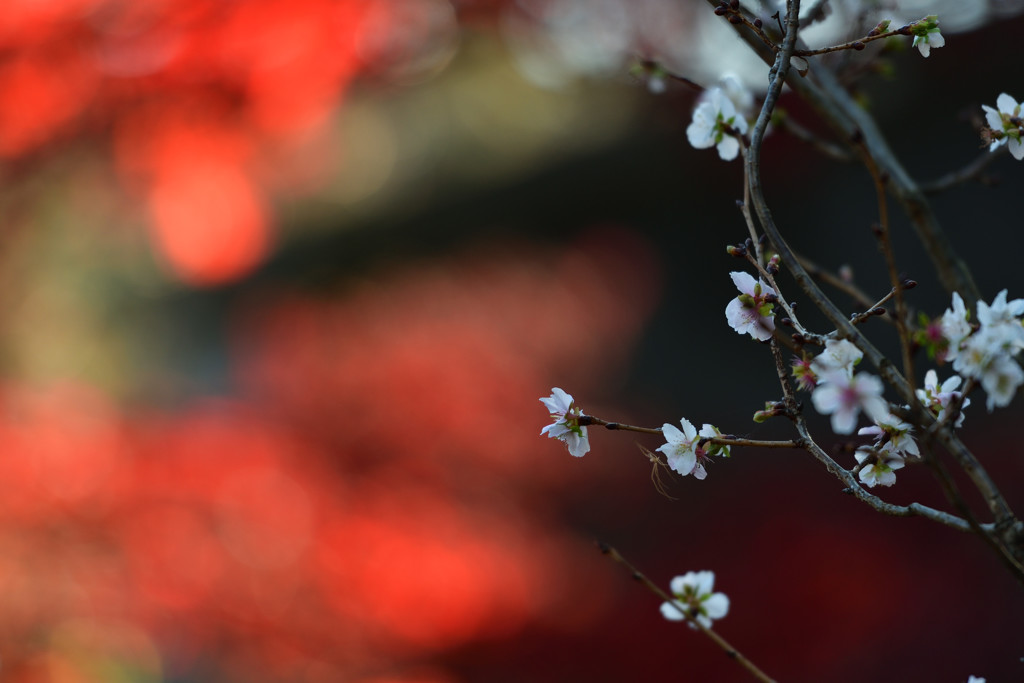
pixel 816 271
pixel 968 172
pixel 585 420
pixel 724 440
pixel 830 149
pixel 885 240
pixel 857 44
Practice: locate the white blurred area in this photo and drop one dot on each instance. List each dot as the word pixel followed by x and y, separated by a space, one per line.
pixel 555 42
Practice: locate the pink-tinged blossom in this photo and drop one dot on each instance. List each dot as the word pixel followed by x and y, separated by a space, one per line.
pixel 843 397
pixel 716 123
pixel 566 426
pixel 752 311
pixel 937 397
pixel 1005 125
pixel 881 470
pixel 694 599
pixel 806 378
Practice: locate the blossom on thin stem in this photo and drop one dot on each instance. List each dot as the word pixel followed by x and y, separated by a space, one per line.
pixel 716 123
pixel 881 471
pixel 752 311
pixel 926 34
pixel 694 600
pixel 892 435
pixel 1004 125
pixel 680 449
pixel 843 396
pixel 840 355
pixel 937 397
pixel 956 326
pixel 804 374
pixel 566 426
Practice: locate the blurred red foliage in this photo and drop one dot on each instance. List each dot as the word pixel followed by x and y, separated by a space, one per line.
pixel 200 98
pixel 367 503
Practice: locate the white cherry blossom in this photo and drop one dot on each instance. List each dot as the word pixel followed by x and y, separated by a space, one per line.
pixel 927 35
pixel 566 426
pixel 1005 125
pixel 716 123
pixel 680 449
pixel 751 312
pixel 694 599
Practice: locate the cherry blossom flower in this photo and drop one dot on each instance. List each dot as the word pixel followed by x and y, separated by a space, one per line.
pixel 680 449
pixel 694 600
pixel 956 326
pixel 937 397
pixel 926 35
pixel 839 355
pixel 881 471
pixel 892 435
pixel 717 124
pixel 1000 380
pixel 751 312
pixel 806 378
pixel 1004 315
pixel 843 396
pixel 566 426
pixel 740 96
pixel 1005 125
pixel 987 355
pixel 711 432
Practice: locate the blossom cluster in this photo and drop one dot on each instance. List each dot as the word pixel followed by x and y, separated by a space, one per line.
pixel 986 354
pixel 838 391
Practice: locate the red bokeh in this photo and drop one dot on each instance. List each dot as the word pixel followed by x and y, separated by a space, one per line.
pixel 364 505
pixel 211 106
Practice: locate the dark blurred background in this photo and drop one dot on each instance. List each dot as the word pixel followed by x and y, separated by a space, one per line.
pixel 284 280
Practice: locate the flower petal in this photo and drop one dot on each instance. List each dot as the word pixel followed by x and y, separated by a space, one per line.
pixel 1006 105
pixel 717 606
pixel 671 610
